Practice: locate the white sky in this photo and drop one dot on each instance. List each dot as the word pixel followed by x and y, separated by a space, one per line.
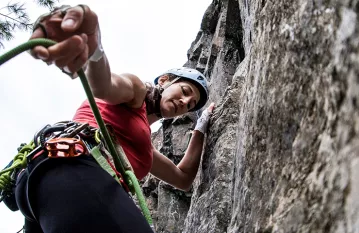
pixel 145 38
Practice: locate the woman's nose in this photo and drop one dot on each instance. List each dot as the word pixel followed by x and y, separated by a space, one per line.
pixel 185 101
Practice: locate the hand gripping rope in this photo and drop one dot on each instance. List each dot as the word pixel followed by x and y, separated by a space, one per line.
pixel 20 159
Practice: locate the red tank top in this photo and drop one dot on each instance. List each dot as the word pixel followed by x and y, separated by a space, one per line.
pixel 131 129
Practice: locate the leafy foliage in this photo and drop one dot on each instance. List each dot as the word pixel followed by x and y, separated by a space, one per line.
pixel 14 16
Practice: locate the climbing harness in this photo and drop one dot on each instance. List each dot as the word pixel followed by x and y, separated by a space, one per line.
pixel 69 139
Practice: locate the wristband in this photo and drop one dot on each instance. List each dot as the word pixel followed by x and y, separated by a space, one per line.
pixel 202 122
pixel 98 54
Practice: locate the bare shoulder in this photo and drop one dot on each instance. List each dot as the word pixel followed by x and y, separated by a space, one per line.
pixel 137 86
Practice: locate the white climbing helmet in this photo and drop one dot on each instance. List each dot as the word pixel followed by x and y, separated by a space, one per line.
pixel 195 77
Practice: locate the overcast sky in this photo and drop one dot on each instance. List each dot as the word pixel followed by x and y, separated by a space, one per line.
pixel 145 38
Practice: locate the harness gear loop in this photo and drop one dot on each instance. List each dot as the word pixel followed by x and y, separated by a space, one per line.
pixel 20 159
pixel 8 175
pixel 18 162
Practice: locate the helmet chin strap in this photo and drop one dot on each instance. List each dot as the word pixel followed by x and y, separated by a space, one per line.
pixel 154 106
pixel 168 84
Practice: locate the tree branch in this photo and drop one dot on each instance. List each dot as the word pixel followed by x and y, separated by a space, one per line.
pixel 25 24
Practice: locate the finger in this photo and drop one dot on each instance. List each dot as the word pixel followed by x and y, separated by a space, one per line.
pixel 71 59
pixel 67 49
pixel 79 61
pixel 210 107
pixel 40 52
pixel 38 33
pixel 73 19
pixel 64 62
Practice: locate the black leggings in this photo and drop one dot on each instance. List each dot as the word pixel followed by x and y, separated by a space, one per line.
pixel 77 195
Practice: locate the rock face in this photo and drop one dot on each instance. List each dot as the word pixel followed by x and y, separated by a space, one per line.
pixel 282 151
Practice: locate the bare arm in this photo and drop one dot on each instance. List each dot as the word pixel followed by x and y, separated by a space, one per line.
pixel 114 88
pixel 182 175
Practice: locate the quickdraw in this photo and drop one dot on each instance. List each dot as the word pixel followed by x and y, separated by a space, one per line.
pixel 56 147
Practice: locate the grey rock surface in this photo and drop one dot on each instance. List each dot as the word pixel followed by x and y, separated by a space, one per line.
pixel 282 151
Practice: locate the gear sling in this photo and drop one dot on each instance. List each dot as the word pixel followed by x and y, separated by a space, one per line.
pixel 69 139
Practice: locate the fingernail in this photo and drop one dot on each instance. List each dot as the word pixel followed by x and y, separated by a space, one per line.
pixel 42 57
pixel 68 23
pixel 67 69
pixel 84 37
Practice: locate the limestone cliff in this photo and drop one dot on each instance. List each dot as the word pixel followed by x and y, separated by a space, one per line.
pixel 282 151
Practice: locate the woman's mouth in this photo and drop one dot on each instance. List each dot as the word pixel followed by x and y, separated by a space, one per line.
pixel 174 106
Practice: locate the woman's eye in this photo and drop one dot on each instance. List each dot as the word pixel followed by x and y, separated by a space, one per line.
pixel 184 90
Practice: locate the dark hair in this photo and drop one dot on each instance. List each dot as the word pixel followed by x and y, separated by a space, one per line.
pixel 150 86
pixel 149 89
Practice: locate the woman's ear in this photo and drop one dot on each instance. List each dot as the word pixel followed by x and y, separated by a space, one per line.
pixel 163 80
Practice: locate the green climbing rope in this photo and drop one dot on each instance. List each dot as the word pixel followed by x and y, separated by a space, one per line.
pixel 19 162
pixel 20 159
pixel 141 199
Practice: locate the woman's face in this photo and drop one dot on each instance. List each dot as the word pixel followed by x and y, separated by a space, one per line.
pixel 178 98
